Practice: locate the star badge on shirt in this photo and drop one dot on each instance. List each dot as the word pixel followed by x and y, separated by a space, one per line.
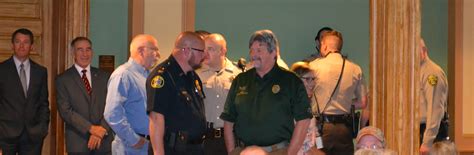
pixel 432 80
pixel 157 82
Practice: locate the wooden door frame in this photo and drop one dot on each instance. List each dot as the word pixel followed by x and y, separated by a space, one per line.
pixel 70 20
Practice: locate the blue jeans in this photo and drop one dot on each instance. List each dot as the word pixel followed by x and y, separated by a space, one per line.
pixel 119 148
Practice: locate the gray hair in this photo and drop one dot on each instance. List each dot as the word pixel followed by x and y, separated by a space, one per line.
pixel 267 37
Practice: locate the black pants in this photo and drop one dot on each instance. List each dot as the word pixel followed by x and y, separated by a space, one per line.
pixel 23 146
pixel 186 149
pixel 90 153
pixel 215 146
pixel 442 132
pixel 337 139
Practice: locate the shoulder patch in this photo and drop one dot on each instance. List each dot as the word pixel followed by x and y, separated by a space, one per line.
pixel 157 82
pixel 432 80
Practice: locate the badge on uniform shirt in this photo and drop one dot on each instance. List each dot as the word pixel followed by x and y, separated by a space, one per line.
pixel 242 90
pixel 157 82
pixel 432 80
pixel 275 89
pixel 198 87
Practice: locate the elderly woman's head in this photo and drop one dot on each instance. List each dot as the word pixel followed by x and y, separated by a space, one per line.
pixel 370 138
pixel 306 75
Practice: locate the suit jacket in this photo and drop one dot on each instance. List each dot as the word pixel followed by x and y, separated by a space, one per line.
pixel 80 110
pixel 19 113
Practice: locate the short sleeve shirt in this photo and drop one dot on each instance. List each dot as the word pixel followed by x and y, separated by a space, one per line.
pixel 263 110
pixel 216 85
pixel 352 84
pixel 178 96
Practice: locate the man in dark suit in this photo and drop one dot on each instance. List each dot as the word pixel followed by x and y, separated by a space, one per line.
pixel 81 100
pixel 24 105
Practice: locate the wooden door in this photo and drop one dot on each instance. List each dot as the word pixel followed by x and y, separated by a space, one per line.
pixel 34 15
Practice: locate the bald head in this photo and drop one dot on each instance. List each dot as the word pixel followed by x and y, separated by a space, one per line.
pixel 216 49
pixel 253 150
pixel 189 50
pixel 144 50
pixel 187 39
pixel 331 42
pixel 217 39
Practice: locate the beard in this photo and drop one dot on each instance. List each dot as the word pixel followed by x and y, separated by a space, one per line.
pixel 194 63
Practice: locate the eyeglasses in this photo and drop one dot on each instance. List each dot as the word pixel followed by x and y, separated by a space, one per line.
pixel 153 48
pixel 373 146
pixel 199 50
pixel 308 78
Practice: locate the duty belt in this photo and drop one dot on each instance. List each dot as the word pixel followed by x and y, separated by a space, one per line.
pixel 181 137
pixel 215 133
pixel 269 148
pixel 334 118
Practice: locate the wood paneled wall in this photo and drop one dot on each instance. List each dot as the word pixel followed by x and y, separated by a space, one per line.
pixel 394 66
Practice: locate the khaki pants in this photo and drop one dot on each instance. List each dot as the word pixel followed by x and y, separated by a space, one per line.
pixel 282 151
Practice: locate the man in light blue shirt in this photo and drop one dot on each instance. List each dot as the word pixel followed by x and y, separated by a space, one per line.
pixel 125 109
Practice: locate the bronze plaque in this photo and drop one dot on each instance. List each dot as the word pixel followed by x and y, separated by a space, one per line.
pixel 107 63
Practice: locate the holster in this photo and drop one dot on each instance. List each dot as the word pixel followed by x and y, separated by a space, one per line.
pixel 353 121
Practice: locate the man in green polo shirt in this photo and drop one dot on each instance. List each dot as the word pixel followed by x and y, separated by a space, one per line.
pixel 264 103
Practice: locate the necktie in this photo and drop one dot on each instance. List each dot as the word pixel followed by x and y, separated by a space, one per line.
pixel 23 78
pixel 86 82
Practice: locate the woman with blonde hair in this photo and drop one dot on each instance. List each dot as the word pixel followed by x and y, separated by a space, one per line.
pixel 306 75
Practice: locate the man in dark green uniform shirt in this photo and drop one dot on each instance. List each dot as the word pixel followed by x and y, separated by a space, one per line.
pixel 264 102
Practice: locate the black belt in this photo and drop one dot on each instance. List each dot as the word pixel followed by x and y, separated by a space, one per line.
pixel 334 118
pixel 144 136
pixel 215 133
pixel 181 137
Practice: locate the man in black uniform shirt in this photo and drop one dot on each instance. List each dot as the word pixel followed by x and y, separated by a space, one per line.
pixel 175 99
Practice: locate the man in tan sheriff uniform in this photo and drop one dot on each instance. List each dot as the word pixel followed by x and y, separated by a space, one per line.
pixel 216 73
pixel 433 101
pixel 337 132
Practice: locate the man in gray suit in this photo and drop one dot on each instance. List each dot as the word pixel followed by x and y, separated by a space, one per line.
pixel 81 100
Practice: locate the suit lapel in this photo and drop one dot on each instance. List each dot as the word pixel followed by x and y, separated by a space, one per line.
pixel 34 78
pixel 17 81
pixel 96 113
pixel 94 79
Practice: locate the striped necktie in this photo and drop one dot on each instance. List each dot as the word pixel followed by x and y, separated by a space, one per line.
pixel 86 82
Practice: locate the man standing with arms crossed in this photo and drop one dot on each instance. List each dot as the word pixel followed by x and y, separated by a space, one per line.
pixel 125 110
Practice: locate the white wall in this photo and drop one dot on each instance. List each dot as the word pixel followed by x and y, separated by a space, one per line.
pixel 163 19
pixel 468 71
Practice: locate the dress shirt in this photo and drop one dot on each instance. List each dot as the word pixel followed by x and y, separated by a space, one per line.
pixel 125 109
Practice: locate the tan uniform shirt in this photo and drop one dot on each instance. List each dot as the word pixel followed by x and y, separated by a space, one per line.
pixel 352 85
pixel 216 86
pixel 433 98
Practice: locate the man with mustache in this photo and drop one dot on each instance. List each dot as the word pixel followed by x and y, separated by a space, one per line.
pixel 264 103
